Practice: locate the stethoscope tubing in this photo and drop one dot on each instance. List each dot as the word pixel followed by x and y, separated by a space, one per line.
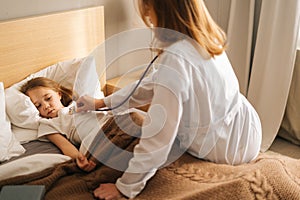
pixel 133 90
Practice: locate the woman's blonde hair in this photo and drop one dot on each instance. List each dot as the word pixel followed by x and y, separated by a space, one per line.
pixel 189 17
pixel 66 93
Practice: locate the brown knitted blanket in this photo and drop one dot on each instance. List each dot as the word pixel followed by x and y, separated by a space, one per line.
pixel 270 176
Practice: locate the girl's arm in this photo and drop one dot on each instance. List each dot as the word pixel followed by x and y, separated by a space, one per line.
pixel 63 144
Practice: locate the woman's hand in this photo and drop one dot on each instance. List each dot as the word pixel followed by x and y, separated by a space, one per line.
pixel 85 164
pixel 107 191
pixel 86 103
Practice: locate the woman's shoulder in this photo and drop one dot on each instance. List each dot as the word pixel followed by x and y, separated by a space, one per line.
pixel 186 49
pixel 179 46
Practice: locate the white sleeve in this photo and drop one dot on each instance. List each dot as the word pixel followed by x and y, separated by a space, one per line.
pixel 158 135
pixel 142 96
pixel 45 128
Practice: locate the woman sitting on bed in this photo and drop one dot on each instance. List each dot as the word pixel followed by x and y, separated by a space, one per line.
pixel 193 94
pixel 52 101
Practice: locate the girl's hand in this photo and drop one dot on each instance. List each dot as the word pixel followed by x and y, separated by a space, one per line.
pixel 86 103
pixel 85 164
pixel 107 191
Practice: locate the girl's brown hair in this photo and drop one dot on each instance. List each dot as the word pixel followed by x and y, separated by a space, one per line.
pixel 48 83
pixel 189 17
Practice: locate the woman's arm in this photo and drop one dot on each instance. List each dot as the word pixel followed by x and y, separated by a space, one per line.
pixel 158 135
pixel 142 96
pixel 63 144
pixel 86 103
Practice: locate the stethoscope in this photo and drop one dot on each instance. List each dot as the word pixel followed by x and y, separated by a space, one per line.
pixel 130 94
pixel 133 90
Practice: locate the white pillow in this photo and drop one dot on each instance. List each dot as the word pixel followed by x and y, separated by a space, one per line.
pixel 9 146
pixel 21 111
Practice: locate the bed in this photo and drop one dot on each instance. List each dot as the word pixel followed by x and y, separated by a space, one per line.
pixel 43 45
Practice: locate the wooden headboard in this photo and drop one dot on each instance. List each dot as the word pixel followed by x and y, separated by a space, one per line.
pixel 28 45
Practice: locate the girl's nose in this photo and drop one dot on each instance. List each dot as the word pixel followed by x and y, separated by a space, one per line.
pixel 46 106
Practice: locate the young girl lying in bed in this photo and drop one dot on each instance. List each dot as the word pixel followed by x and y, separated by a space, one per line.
pixel 57 125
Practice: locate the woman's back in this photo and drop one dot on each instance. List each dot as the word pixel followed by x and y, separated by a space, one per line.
pixel 209 91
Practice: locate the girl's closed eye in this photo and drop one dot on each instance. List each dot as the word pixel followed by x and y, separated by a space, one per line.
pixel 48 98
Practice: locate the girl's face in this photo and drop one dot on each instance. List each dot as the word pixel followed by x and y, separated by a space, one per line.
pixel 46 100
